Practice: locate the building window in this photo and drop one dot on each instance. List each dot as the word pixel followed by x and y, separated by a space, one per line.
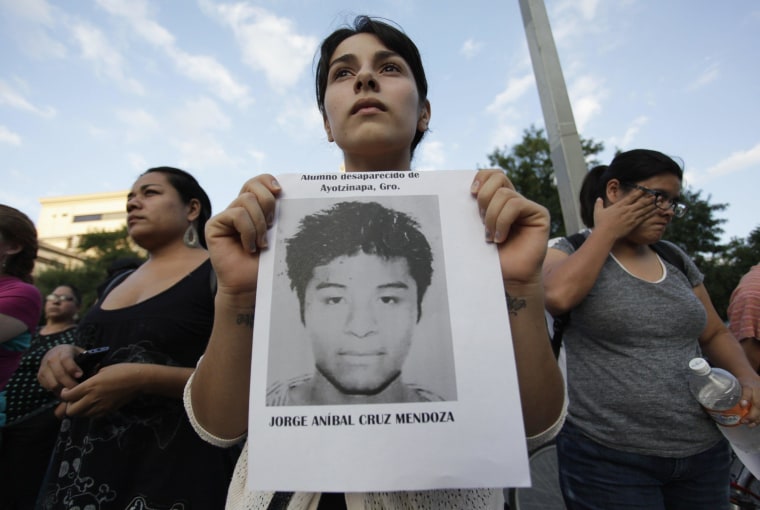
pixel 87 217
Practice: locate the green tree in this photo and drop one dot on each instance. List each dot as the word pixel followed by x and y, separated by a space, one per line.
pixel 698 232
pixel 100 249
pixel 724 269
pixel 529 166
pixel 104 246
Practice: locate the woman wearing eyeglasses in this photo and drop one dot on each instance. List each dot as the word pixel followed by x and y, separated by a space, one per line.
pixel 635 437
pixel 30 422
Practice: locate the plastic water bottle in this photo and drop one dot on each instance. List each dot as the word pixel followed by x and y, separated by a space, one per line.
pixel 720 394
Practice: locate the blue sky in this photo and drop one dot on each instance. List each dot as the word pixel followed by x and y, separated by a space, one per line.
pixel 94 92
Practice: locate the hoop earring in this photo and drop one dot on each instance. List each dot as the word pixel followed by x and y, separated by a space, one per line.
pixel 191 238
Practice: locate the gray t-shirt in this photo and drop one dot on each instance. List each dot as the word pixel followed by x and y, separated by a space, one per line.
pixel 628 346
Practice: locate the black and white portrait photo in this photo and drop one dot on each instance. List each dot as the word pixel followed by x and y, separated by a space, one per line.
pixel 359 307
pixel 381 319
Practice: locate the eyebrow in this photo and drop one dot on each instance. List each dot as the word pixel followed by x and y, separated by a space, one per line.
pixel 329 285
pixel 391 285
pixel 394 285
pixel 143 188
pixel 350 58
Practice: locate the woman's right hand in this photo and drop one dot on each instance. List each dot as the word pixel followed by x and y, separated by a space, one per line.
pixel 58 369
pixel 237 235
pixel 622 217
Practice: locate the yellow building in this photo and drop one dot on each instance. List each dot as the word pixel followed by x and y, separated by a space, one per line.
pixel 63 220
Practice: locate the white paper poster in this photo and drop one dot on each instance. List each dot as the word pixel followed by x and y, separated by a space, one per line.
pixel 750 458
pixel 382 355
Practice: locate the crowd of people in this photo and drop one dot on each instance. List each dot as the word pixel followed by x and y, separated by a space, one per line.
pixel 161 421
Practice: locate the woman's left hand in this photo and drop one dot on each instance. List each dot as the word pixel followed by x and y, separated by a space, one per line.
pixel 751 396
pixel 520 227
pixel 108 390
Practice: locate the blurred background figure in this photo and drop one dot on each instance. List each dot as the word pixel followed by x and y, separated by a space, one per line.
pixel 744 314
pixel 20 301
pixel 31 426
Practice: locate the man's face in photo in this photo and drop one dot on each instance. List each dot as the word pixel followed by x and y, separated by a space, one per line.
pixel 360 312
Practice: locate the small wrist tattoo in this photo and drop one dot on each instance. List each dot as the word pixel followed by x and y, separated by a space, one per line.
pixel 245 319
pixel 514 304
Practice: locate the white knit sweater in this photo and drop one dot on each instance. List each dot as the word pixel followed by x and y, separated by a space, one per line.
pixel 240 498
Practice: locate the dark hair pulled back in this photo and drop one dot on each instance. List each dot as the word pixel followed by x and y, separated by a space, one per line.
pixel 632 166
pixel 188 189
pixel 392 37
pixel 17 228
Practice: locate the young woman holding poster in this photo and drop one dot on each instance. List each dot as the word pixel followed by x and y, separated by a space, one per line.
pixel 371 90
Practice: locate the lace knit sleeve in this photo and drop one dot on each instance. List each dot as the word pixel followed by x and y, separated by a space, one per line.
pixel 203 433
pixel 550 433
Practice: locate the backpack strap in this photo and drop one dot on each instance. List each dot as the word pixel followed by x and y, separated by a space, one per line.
pixel 576 240
pixel 560 321
pixel 559 325
pixel 669 254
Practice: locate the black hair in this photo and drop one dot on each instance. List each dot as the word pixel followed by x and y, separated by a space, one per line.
pixel 589 194
pixel 188 189
pixel 123 264
pixel 348 228
pixel 74 290
pixel 392 37
pixel 16 227
pixel 627 167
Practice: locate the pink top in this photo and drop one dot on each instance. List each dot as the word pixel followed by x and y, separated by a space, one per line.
pixel 744 306
pixel 20 300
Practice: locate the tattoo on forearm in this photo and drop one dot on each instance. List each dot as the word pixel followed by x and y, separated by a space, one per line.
pixel 245 319
pixel 514 304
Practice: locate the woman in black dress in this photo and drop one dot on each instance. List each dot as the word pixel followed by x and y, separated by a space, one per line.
pixel 126 442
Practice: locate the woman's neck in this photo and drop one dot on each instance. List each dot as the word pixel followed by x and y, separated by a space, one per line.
pixel 56 326
pixel 374 163
pixel 172 250
pixel 625 250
